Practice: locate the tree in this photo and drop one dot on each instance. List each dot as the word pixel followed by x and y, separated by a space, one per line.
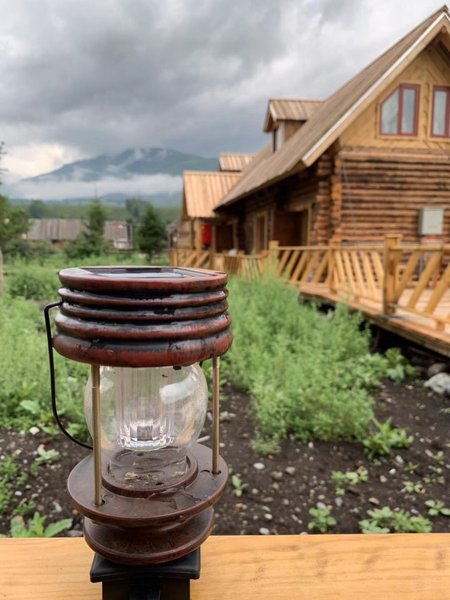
pixel 13 222
pixel 151 234
pixel 90 241
pixel 136 207
pixel 37 209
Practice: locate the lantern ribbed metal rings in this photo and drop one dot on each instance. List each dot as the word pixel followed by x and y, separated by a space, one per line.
pixel 167 316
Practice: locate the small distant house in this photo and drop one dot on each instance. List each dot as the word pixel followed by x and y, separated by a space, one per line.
pixel 56 231
pixel 120 234
pixel 199 226
pixel 60 231
pixel 372 159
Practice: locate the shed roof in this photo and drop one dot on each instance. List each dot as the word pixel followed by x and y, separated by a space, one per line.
pixel 54 229
pixel 233 161
pixel 289 109
pixel 338 111
pixel 63 230
pixel 204 190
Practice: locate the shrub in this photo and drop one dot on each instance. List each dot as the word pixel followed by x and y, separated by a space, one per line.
pixel 27 250
pixel 308 373
pixel 33 283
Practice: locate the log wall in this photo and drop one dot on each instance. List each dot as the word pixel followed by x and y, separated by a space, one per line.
pixel 297 209
pixel 378 192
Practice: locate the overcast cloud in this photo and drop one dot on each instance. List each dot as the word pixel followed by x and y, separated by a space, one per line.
pixel 84 77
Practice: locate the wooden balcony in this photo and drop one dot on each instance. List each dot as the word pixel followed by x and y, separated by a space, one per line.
pixel 403 288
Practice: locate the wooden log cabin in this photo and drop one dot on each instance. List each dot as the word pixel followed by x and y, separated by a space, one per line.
pixel 372 159
pixel 199 226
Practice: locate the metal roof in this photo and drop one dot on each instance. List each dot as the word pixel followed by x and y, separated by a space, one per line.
pixel 335 114
pixel 62 230
pixel 204 190
pixel 289 109
pixel 232 161
pixel 54 229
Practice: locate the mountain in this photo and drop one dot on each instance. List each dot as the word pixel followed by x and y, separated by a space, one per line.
pixel 128 164
pixel 151 173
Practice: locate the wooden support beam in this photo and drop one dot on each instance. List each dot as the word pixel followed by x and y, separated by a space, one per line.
pixel 391 258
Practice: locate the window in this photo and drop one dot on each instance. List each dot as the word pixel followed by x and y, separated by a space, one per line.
pixel 440 123
pixel 399 112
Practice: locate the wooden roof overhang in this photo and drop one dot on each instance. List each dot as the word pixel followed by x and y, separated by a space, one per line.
pixel 234 162
pixel 203 191
pixel 289 109
pixel 303 148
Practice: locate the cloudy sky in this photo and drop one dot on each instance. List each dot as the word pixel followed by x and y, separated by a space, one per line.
pixel 84 77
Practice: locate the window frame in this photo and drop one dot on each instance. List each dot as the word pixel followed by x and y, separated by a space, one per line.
pixel 446 134
pixel 400 88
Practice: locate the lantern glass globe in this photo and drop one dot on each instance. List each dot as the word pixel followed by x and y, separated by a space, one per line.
pixel 148 409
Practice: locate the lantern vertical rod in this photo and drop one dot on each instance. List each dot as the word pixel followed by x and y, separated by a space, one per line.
pixel 216 416
pixel 95 374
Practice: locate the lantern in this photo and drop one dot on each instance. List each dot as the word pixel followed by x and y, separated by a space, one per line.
pixel 146 491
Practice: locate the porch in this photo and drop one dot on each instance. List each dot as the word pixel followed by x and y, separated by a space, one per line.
pixel 403 288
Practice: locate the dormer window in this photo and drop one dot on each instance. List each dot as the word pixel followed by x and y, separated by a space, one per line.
pixel 399 112
pixel 440 124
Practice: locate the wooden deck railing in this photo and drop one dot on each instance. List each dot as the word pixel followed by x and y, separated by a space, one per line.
pixel 401 278
pixel 355 271
pixel 180 257
pixel 247 266
pixel 420 280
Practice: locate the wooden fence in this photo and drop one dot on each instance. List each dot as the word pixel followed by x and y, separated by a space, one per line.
pixel 400 279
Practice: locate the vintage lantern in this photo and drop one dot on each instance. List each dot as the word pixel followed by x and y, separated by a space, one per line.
pixel 147 489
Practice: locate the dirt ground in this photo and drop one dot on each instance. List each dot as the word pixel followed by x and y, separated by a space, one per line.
pixel 279 490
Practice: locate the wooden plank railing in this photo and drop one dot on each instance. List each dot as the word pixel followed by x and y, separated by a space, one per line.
pixel 179 257
pixel 355 271
pixel 420 282
pixel 248 266
pixel 402 278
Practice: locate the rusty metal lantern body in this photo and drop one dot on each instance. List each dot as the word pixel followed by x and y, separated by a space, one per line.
pixel 145 506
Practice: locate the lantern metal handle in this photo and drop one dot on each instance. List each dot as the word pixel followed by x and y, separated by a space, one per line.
pixel 216 416
pixel 51 362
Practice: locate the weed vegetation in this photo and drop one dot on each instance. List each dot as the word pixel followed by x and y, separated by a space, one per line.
pixel 309 374
pixel 24 379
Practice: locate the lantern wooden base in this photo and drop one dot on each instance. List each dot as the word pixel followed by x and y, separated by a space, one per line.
pixel 156 528
pixel 169 581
